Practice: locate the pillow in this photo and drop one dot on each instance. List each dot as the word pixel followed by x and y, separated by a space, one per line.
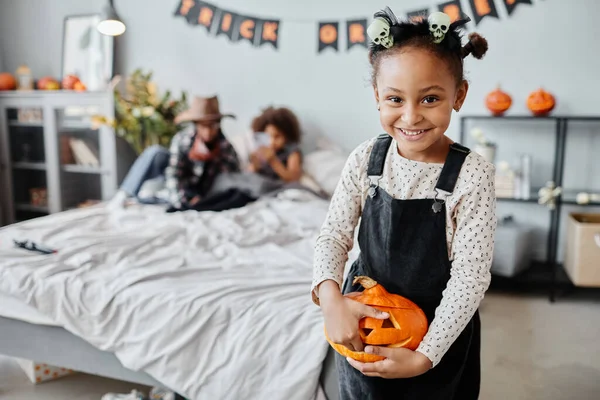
pixel 243 143
pixel 325 167
pixel 308 181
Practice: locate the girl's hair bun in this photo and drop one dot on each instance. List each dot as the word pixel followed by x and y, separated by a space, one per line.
pixel 477 46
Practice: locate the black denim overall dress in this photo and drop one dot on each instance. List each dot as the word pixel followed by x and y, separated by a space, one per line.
pixel 403 247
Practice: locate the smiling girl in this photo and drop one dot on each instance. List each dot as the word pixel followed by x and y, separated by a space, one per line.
pixel 428 218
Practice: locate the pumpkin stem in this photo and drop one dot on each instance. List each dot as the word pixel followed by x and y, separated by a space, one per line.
pixel 365 282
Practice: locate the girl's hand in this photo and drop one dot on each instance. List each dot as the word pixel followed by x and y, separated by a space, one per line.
pixel 341 316
pixel 399 363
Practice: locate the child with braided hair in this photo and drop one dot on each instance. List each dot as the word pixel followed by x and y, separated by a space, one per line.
pixel 427 214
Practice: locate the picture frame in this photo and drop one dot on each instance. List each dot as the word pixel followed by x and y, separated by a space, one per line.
pixel 86 53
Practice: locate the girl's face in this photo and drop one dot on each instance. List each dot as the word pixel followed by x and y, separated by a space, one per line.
pixel 277 137
pixel 416 93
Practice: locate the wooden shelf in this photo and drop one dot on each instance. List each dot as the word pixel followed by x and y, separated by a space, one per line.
pixel 40 166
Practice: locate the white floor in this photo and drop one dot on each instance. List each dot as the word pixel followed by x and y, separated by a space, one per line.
pixel 531 349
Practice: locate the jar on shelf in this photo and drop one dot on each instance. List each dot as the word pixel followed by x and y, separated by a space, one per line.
pixel 24 78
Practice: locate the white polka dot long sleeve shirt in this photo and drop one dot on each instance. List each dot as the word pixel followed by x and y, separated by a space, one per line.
pixel 470 228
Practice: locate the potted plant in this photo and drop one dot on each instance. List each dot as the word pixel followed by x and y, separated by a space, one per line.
pixel 142 116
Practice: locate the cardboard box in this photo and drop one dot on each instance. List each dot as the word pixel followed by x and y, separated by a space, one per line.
pixel 582 254
pixel 38 372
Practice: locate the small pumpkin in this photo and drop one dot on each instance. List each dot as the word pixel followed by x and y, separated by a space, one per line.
pixel 498 102
pixel 540 102
pixel 406 326
pixel 7 81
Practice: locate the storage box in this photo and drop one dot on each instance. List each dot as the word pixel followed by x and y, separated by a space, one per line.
pixel 38 372
pixel 582 254
pixel 512 248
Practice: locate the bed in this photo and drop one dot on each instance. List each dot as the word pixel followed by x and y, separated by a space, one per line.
pixel 211 305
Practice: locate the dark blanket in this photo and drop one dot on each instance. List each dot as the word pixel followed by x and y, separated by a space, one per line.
pixel 220 201
pixel 234 190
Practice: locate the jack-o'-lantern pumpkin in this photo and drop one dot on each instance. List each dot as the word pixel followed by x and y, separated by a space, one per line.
pixel 7 81
pixel 498 102
pixel 540 102
pixel 405 327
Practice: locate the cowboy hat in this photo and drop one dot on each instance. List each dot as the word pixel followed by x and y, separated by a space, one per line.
pixel 202 109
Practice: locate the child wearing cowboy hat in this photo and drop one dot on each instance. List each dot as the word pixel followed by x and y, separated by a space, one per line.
pixel 197 155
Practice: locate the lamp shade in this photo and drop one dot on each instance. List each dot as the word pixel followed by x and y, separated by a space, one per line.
pixel 110 23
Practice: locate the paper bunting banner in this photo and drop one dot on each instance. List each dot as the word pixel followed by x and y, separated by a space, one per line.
pixel 269 32
pixel 357 33
pixel 452 8
pixel 206 15
pixel 226 24
pixel 328 35
pixel 418 15
pixel 259 31
pixel 512 4
pixel 482 9
pixel 246 28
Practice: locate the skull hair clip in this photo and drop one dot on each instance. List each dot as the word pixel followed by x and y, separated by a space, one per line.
pixel 379 32
pixel 439 23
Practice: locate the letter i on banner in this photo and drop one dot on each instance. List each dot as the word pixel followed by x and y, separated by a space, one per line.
pixel 452 8
pixel 418 15
pixel 512 4
pixel 226 24
pixel 269 32
pixel 206 15
pixel 482 9
pixel 328 35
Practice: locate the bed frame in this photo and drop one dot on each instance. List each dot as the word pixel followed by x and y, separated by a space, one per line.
pixel 56 346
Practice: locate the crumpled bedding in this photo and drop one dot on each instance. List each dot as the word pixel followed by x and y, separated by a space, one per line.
pixel 213 305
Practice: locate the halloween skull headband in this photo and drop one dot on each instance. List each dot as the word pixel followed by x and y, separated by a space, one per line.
pixel 380 31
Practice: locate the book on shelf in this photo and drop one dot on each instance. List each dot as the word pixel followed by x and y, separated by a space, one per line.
pixel 84 152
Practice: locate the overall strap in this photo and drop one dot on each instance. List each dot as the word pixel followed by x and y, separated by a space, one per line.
pixel 451 169
pixel 378 155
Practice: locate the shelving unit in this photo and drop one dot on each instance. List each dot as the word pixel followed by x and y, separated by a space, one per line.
pixel 38 154
pixel 549 270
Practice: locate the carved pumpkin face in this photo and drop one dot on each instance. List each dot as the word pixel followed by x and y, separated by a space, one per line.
pixel 406 326
pixel 498 102
pixel 540 102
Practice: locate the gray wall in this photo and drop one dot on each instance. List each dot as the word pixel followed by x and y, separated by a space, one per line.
pixel 330 91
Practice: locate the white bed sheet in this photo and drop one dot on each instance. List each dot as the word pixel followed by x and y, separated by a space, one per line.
pixel 214 305
pixel 15 308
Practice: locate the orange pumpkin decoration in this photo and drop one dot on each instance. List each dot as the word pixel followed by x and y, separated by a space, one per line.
pixel 406 326
pixel 498 102
pixel 540 102
pixel 79 87
pixel 7 81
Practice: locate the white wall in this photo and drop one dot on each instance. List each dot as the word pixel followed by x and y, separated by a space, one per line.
pixel 330 91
